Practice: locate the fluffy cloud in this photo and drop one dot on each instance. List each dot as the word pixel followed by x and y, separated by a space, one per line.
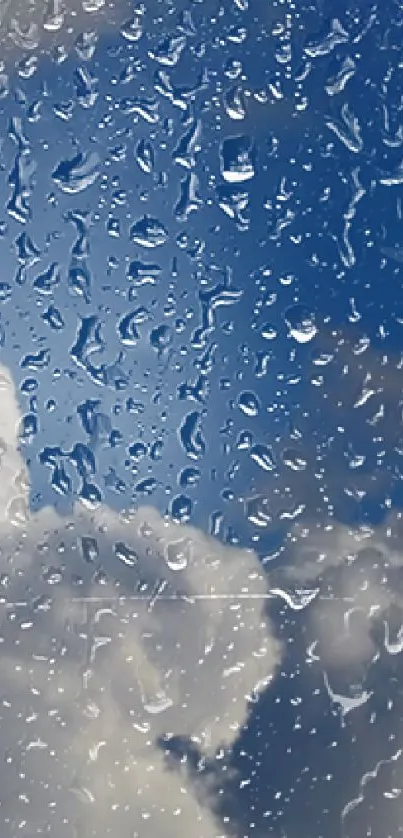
pixel 121 635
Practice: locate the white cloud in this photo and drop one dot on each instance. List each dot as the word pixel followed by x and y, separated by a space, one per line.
pixel 95 672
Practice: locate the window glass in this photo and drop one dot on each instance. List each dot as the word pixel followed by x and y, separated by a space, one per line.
pixel 201 418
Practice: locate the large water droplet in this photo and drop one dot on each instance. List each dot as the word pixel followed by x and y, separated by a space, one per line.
pixel 89 548
pixel 78 173
pixel 248 403
pixel 148 232
pixel 301 323
pixel 178 554
pixel 145 156
pixel 237 159
pixel 191 436
pixel 125 554
pixel 263 456
pixel 181 508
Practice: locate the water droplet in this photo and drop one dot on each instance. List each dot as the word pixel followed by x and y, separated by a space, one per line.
pixel 149 232
pixel 37 361
pixel 326 42
pixel 80 172
pixel 17 511
pixel 146 486
pixel 234 103
pixel 145 156
pixel 90 495
pixel 189 477
pixel 92 6
pixel 52 575
pixel 5 291
pixel 248 403
pixel 89 548
pixel 189 201
pixel 169 50
pixel 132 30
pixel 47 281
pixel 301 323
pixel 127 330
pixel 237 159
pixel 143 273
pixel 188 145
pixel 298 599
pixel 158 704
pixel 28 427
pixel 181 508
pixel 125 554
pixel 53 318
pixel 294 460
pixel 79 280
pixel 191 436
pixel 178 554
pixel 161 338
pixel 85 44
pixel 86 87
pixel 61 481
pixel 263 456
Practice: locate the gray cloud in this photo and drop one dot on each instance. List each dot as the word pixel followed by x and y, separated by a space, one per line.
pixel 360 596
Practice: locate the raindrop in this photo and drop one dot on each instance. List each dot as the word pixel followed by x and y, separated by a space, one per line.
pixel 53 318
pixel 294 460
pixel 86 43
pixel 327 41
pixel 146 486
pixel 5 291
pixel 181 508
pixel 17 511
pixel 263 456
pixel 89 548
pixel 234 103
pixel 28 427
pixel 90 495
pixel 169 50
pixel 237 159
pixel 148 232
pixel 132 30
pixel 161 338
pixel 86 87
pixel 125 554
pixel 189 477
pixel 79 281
pixel 37 361
pixel 127 329
pixel 61 481
pixel 143 273
pixel 298 599
pixel 178 554
pixel 191 436
pixel 46 282
pixel 78 173
pixel 301 323
pixel 145 156
pixel 248 403
pixel 159 704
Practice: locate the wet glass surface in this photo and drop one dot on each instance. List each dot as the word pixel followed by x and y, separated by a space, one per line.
pixel 201 419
